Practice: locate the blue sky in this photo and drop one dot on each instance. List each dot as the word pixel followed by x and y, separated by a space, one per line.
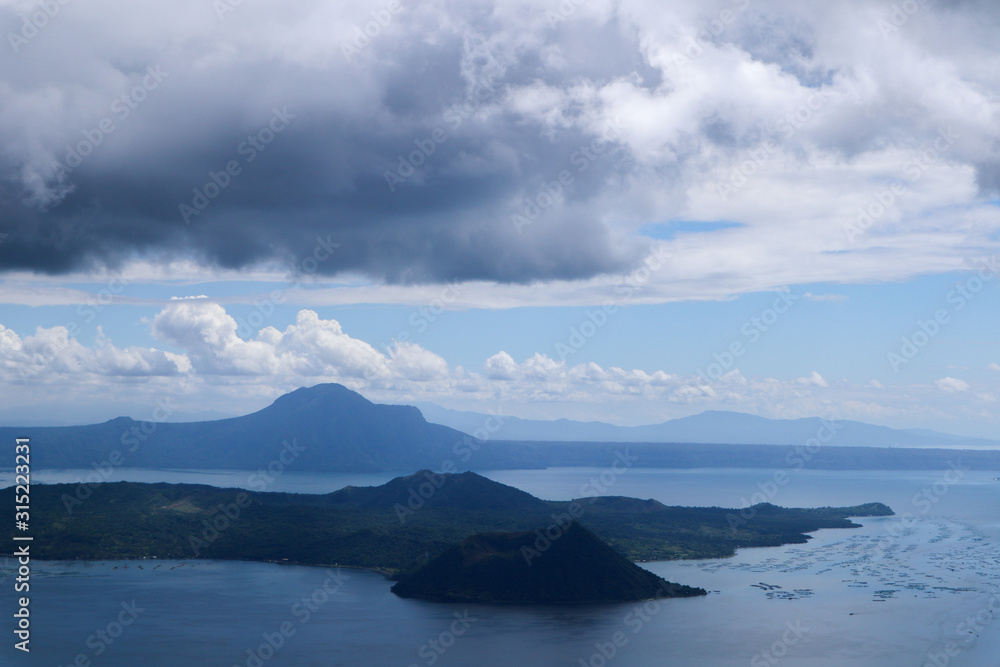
pixel 842 332
pixel 846 333
pixel 574 215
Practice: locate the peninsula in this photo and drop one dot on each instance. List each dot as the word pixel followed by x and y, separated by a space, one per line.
pixel 415 528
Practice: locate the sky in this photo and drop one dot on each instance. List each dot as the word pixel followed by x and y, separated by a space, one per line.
pixel 620 211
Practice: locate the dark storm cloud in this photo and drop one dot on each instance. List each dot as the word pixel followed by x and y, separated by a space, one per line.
pixel 407 157
pixel 457 139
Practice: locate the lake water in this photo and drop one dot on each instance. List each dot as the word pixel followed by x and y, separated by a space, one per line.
pixel 920 588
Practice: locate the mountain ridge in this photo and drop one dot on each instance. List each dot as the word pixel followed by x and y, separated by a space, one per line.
pixel 329 428
pixel 710 427
pixel 326 427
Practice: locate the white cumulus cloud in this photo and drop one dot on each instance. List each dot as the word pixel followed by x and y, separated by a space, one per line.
pixel 951 385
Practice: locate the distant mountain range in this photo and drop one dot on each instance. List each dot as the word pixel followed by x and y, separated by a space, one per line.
pixel 329 428
pixel 713 426
pixel 324 428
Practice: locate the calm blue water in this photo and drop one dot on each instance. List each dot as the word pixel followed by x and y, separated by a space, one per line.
pixel 895 592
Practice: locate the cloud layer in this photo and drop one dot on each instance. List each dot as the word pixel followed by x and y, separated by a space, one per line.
pixel 502 141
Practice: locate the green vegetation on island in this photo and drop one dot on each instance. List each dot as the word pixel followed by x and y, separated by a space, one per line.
pixel 395 527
